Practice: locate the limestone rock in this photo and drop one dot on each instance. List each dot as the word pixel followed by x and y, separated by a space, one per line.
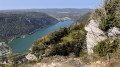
pixel 31 57
pixel 94 35
pixel 114 32
pixel 61 62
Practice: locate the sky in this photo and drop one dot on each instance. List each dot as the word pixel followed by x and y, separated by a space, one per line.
pixel 40 4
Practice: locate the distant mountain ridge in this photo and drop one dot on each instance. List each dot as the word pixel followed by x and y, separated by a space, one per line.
pixel 71 13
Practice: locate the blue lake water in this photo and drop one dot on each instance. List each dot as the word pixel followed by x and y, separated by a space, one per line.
pixel 22 45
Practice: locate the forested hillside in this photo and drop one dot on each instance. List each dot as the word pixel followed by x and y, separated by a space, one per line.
pixel 14 25
pixel 64 41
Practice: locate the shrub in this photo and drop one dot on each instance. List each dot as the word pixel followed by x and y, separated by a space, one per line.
pixel 108 23
pixel 108 19
pixel 82 53
pixel 105 47
pixel 39 60
pixel 100 49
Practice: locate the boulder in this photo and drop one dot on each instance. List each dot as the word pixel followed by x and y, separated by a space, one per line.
pixel 114 32
pixel 31 57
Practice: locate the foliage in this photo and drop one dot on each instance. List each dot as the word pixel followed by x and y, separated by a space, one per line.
pixel 108 20
pixel 80 25
pixel 105 47
pixel 12 64
pixel 16 56
pixel 118 15
pixel 39 59
pixel 83 18
pixel 82 53
pixel 14 25
pixel 62 42
pixel 107 23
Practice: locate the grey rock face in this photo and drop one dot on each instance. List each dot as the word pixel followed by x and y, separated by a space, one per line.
pixel 94 35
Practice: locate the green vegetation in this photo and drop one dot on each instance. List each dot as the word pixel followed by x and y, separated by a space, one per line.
pixel 108 23
pixel 105 47
pixel 65 41
pixel 72 41
pixel 14 25
pixel 83 18
pixel 16 56
pixel 108 15
pixel 82 53
pixel 62 42
pixel 39 59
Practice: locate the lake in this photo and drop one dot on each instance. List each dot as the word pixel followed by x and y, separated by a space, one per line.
pixel 22 45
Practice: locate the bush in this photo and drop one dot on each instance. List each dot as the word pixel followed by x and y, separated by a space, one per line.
pixel 108 19
pixel 100 49
pixel 82 53
pixel 105 47
pixel 108 23
pixel 39 60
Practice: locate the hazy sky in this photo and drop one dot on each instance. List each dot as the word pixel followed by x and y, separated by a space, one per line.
pixel 38 4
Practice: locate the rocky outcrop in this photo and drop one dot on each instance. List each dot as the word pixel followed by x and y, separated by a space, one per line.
pixel 114 32
pixel 31 57
pixel 60 62
pixel 71 62
pixel 98 64
pixel 94 35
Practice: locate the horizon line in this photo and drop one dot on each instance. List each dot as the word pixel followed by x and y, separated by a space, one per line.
pixel 45 8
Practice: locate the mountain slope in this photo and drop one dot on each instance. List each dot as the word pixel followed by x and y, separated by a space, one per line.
pixel 14 25
pixel 62 42
pixel 102 40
